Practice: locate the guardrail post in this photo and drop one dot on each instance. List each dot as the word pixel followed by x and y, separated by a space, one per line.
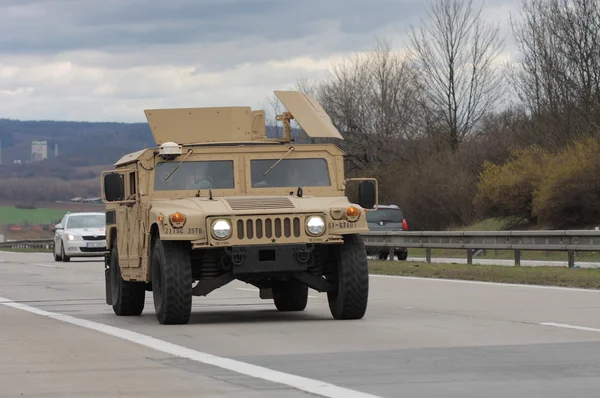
pixel 571 258
pixel 428 254
pixel 517 257
pixel 469 256
pixel 391 254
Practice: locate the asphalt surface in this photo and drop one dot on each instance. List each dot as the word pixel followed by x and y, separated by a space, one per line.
pixel 420 337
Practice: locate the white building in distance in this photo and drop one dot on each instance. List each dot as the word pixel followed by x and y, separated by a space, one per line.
pixel 39 150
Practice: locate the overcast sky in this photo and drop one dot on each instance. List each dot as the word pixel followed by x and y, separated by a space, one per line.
pixel 109 60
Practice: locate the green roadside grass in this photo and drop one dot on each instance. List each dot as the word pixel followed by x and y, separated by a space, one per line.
pixel 13 215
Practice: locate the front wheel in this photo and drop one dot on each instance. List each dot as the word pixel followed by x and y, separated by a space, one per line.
pixel 56 256
pixel 351 276
pixel 171 282
pixel 64 258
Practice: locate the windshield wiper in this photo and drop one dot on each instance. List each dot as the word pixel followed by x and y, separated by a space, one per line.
pixel 182 160
pixel 280 159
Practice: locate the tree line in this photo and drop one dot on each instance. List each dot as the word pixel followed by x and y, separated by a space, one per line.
pixel 456 134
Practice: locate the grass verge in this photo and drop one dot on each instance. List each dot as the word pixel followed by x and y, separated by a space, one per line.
pixel 550 276
pixel 13 215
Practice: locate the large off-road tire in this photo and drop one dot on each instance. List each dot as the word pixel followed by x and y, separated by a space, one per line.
pixel 127 297
pixel 351 274
pixel 290 296
pixel 171 282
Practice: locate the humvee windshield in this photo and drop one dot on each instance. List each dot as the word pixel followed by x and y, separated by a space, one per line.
pixel 290 173
pixel 209 174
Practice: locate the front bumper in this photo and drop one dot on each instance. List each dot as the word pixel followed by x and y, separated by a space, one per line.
pixel 85 248
pixel 269 259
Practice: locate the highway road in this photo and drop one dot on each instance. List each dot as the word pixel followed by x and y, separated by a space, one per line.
pixel 420 338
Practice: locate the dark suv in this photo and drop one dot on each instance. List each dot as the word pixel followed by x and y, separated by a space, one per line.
pixel 387 218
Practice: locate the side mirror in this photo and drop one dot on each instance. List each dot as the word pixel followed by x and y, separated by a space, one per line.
pixel 57 227
pixel 367 194
pixel 114 187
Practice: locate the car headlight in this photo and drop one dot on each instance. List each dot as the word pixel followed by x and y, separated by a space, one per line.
pixel 71 237
pixel 315 225
pixel 221 229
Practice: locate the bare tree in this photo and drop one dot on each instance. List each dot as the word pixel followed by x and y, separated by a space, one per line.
pixel 455 53
pixel 371 98
pixel 273 107
pixel 558 77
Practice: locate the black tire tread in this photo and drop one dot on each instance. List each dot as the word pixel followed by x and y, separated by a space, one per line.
pixel 63 257
pixel 131 295
pixel 351 299
pixel 290 296
pixel 176 282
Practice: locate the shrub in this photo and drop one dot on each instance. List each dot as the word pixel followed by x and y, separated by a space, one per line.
pixel 508 190
pixel 569 193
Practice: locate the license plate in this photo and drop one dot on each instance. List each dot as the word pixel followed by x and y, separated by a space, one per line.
pixel 95 244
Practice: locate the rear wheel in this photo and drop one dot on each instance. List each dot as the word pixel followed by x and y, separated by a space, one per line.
pixel 351 275
pixel 171 282
pixel 402 255
pixel 127 297
pixel 290 296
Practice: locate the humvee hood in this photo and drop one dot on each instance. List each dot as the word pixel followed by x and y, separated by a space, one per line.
pixel 251 204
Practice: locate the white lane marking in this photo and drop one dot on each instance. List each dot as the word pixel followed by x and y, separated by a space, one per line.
pixel 300 383
pixel 247 289
pixel 44 265
pixel 566 326
pixel 570 289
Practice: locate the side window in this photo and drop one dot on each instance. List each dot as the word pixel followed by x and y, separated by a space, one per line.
pixel 132 184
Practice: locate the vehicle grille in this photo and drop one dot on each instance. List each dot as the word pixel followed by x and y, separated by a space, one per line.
pixel 266 228
pixel 92 249
pixel 260 203
pixel 101 237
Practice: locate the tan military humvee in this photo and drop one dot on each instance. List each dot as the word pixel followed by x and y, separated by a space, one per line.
pixel 217 200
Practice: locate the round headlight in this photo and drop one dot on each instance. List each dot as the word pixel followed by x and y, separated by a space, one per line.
pixel 221 229
pixel 315 225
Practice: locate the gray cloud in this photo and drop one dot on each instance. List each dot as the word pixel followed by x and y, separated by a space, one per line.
pixel 110 59
pixel 49 26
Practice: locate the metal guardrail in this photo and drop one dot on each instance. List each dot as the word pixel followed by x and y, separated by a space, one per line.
pixel 28 244
pixel 471 241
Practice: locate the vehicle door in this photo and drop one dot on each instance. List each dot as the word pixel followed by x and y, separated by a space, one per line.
pixel 133 220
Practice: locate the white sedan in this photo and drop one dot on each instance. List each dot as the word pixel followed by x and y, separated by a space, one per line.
pixel 80 235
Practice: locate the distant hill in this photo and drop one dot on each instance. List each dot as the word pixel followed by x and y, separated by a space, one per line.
pixel 84 148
